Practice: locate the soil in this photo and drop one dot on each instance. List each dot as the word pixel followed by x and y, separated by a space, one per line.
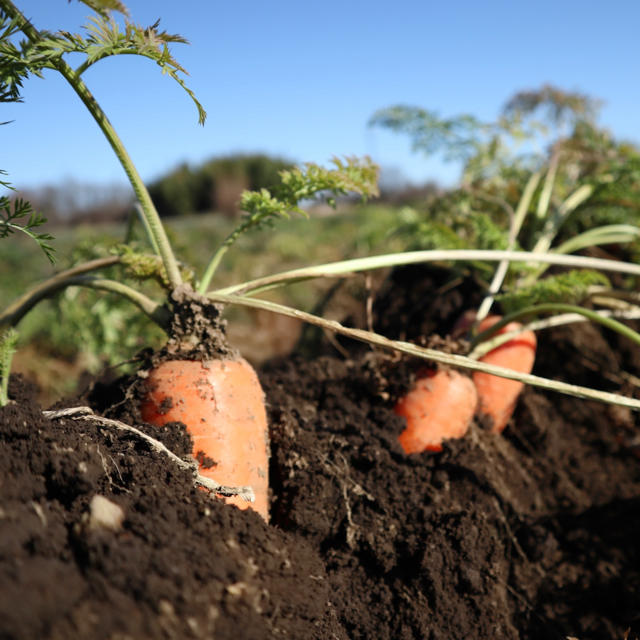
pixel 532 534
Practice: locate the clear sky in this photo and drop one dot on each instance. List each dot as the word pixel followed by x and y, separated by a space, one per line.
pixel 301 78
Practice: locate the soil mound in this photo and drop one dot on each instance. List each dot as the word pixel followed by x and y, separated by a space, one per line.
pixel 532 534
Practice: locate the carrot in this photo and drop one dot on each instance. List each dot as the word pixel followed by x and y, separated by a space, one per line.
pixel 497 396
pixel 439 407
pixel 222 405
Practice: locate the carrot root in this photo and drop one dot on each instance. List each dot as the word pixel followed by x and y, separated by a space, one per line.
pixel 222 405
pixel 439 407
pixel 497 397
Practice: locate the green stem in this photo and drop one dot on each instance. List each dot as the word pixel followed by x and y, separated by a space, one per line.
pixel 75 277
pixel 8 340
pixel 80 69
pixel 155 311
pixel 632 297
pixel 429 354
pixel 346 267
pixel 547 189
pixel 150 213
pixel 632 313
pixel 130 224
pixel 556 307
pixel 213 266
pixel 516 224
pixel 78 85
pixel 607 234
pixel 18 308
pixel 552 226
pixel 147 229
pixel 555 221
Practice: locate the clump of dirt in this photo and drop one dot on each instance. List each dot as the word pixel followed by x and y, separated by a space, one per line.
pixel 196 328
pixel 531 535
pixel 417 302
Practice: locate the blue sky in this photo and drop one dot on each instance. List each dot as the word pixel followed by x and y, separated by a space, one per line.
pixel 301 79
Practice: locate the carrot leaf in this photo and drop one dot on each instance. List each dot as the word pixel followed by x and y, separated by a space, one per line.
pixel 571 287
pixel 299 185
pixel 13 68
pixel 146 266
pixel 104 6
pixel 103 37
pixel 19 216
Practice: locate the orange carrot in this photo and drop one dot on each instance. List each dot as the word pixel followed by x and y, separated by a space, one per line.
pixel 222 405
pixel 497 396
pixel 439 407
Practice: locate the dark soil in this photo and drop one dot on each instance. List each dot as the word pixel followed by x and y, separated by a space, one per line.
pixel 533 534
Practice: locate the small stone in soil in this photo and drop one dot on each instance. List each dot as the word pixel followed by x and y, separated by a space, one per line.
pixel 104 514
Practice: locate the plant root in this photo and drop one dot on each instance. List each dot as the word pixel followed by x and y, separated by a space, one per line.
pixel 86 413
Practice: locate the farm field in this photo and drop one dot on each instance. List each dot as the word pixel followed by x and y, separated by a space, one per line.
pixel 527 535
pixel 320 414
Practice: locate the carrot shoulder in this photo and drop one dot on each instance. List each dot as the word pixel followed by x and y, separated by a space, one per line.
pixel 497 396
pixel 222 405
pixel 440 406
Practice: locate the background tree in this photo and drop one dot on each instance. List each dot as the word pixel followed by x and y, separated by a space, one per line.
pixel 215 185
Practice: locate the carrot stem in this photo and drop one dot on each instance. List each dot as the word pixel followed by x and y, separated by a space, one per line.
pixel 516 224
pixel 556 307
pixel 81 89
pixel 344 267
pixel 155 311
pixel 8 340
pixel 429 354
pixel 14 312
